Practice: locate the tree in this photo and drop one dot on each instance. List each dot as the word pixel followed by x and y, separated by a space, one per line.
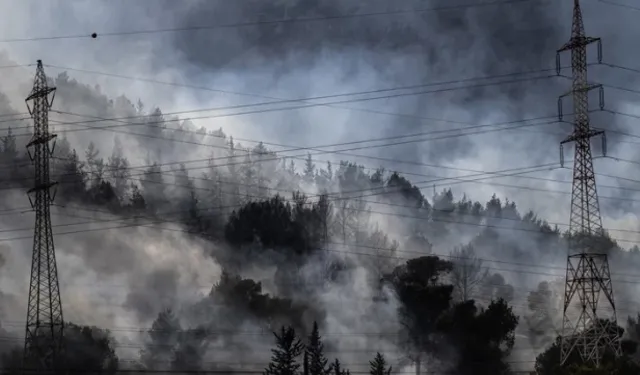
pixel 337 368
pixel 163 337
pixel 189 350
pixel 118 168
pixel 309 172
pixel 423 298
pixel 137 201
pixel 467 274
pixel 379 366
pixel 153 187
pixel 244 299
pixel 72 177
pixel 484 337
pixel 344 218
pixel 89 350
pixel 234 174
pixel 324 211
pixel 96 166
pixel 274 223
pixel 266 165
pixel 541 324
pixel 315 354
pixel 284 357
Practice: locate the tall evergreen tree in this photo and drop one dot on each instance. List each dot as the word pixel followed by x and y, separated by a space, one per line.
pixel 284 358
pixel 309 169
pixel 379 366
pixel 118 168
pixel 315 353
pixel 95 165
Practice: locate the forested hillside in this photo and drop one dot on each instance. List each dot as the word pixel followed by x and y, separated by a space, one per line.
pixel 306 248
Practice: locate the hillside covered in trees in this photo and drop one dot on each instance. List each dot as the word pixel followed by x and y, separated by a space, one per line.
pixel 306 248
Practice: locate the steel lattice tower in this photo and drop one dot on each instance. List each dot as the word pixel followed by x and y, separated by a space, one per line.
pixel 590 332
pixel 43 339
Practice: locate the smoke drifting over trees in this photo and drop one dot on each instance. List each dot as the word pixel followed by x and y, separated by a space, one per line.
pixel 226 240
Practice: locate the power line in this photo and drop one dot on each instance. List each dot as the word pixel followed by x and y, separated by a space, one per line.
pixel 461 179
pixel 280 100
pixel 267 22
pixel 404 251
pixel 618 4
pixel 233 206
pixel 344 152
pixel 435 179
pixel 279 109
pixel 16 66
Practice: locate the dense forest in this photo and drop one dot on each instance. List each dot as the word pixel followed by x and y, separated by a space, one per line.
pixel 394 279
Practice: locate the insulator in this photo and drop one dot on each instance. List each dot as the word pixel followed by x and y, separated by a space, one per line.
pixel 599 51
pixel 558 67
pixel 561 156
pixel 53 147
pixel 604 144
pixel 601 91
pixel 560 109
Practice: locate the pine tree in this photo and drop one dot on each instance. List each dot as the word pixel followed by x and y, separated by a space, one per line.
pixel 379 366
pixel 95 164
pixel 118 168
pixel 284 358
pixel 234 174
pixel 315 352
pixel 309 169
pixel 337 368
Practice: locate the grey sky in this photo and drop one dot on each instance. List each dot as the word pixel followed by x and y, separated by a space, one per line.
pixel 341 56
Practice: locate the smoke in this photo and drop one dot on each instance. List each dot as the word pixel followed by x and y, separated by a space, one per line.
pixel 133 273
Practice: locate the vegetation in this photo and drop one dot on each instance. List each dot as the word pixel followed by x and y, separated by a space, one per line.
pixel 455 311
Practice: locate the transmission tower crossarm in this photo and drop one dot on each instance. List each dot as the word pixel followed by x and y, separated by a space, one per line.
pixel 584 136
pixel 578 43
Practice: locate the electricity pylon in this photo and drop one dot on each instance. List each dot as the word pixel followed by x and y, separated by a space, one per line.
pixel 588 276
pixel 44 330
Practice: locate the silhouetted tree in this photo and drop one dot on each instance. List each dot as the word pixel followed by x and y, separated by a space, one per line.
pixel 118 168
pixel 89 350
pixel 284 357
pixel 378 366
pixel 309 172
pixel 423 298
pixel 315 354
pixel 483 337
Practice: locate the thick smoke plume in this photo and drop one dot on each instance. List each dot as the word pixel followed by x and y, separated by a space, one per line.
pixel 165 191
